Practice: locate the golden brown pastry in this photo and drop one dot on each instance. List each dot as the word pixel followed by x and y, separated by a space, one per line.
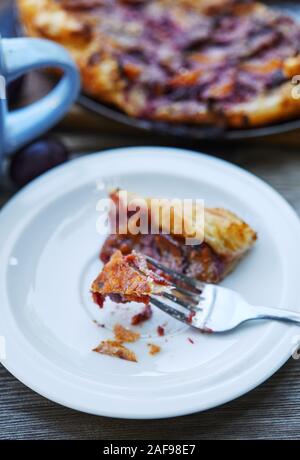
pixel 127 278
pixel 226 239
pixel 116 349
pixel 122 334
pixel 225 62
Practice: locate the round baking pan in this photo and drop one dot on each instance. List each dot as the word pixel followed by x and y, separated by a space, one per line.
pixel 9 27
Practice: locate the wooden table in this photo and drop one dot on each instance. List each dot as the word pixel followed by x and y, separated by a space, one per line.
pixel 272 411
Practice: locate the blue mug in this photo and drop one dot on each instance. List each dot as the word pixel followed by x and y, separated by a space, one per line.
pixel 21 55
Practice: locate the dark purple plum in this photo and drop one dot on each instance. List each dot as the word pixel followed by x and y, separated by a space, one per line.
pixel 37 158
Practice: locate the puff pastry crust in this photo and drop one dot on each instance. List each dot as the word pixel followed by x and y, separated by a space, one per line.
pixel 226 239
pixel 224 62
pixel 116 349
pixel 127 278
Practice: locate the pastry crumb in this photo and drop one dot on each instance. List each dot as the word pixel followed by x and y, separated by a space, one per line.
pixel 144 315
pixel 160 331
pixel 125 335
pixel 153 349
pixel 115 348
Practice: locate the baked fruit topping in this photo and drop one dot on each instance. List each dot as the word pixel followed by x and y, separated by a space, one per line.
pixel 224 62
pixel 226 240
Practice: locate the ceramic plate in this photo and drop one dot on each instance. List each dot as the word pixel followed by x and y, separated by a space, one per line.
pixel 49 246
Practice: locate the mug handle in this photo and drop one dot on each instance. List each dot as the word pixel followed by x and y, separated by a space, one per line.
pixel 21 55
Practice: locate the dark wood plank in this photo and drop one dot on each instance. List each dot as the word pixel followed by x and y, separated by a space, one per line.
pixel 269 412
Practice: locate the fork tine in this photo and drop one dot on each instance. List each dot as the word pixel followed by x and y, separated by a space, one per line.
pixel 186 279
pixel 180 301
pixel 193 295
pixel 171 311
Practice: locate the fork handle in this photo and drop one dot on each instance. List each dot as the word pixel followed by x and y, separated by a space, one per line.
pixel 278 313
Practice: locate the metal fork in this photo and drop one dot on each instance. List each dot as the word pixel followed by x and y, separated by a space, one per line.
pixel 211 308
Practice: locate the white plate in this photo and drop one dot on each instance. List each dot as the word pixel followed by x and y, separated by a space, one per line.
pixel 49 255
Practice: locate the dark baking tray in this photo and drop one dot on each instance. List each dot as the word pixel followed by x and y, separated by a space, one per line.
pixel 9 27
